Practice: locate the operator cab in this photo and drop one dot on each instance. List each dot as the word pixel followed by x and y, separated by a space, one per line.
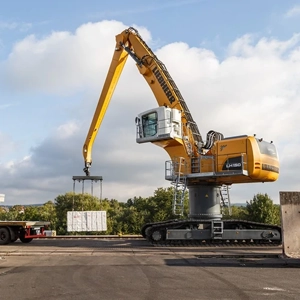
pixel 162 123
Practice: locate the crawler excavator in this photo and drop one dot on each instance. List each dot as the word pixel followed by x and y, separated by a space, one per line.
pixel 203 168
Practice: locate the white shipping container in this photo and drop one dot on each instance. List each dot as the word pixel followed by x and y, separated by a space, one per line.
pixel 86 221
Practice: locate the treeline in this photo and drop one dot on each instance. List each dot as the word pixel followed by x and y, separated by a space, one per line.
pixel 129 217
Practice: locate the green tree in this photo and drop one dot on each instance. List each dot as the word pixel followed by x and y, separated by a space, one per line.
pixel 114 214
pixel 129 217
pixel 161 203
pixel 135 215
pixel 47 212
pixel 3 214
pixel 261 209
pixel 32 213
pixel 237 213
pixel 15 213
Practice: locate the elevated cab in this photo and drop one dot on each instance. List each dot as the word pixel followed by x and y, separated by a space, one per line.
pixel 158 124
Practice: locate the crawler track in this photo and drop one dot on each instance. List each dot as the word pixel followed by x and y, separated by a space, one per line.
pixel 234 233
pixel 219 244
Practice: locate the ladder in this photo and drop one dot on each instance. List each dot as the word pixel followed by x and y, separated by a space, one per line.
pixel 225 198
pixel 179 184
pixel 217 229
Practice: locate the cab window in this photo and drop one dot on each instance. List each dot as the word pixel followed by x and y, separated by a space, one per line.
pixel 149 123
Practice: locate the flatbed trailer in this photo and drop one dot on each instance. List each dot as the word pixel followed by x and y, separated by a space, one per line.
pixel 26 231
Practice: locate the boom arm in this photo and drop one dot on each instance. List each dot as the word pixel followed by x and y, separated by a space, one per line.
pixel 113 75
pixel 129 42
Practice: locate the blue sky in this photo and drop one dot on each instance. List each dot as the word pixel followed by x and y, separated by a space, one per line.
pixel 49 88
pixel 216 22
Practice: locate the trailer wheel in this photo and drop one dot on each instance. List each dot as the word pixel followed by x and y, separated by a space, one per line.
pixel 25 240
pixel 4 236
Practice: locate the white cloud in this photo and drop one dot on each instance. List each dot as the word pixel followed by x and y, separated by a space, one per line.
pixel 64 62
pixel 255 89
pixel 293 12
pixel 67 130
pixel 23 26
pixel 245 47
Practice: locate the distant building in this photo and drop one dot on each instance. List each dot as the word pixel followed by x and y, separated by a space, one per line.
pixel 2 197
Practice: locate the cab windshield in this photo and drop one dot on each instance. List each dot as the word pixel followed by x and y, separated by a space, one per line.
pixel 149 123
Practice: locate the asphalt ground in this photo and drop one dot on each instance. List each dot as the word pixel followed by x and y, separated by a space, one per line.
pixel 134 269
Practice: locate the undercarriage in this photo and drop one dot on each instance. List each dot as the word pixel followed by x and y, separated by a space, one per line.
pixel 205 225
pixel 204 232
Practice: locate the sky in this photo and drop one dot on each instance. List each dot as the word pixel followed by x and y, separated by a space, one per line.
pixel 236 63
